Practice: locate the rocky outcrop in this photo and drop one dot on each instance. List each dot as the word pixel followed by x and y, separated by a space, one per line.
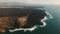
pixel 13 18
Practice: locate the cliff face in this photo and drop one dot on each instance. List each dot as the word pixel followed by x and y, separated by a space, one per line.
pixel 16 18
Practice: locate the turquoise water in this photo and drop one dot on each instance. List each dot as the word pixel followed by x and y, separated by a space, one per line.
pixel 53 25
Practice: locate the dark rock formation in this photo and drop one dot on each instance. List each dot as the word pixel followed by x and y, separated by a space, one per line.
pixel 17 18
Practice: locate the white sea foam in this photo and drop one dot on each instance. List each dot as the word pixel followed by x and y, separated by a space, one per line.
pixel 29 29
pixel 33 28
pixel 49 16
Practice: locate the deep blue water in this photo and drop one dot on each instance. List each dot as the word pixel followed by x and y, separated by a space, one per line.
pixel 53 25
